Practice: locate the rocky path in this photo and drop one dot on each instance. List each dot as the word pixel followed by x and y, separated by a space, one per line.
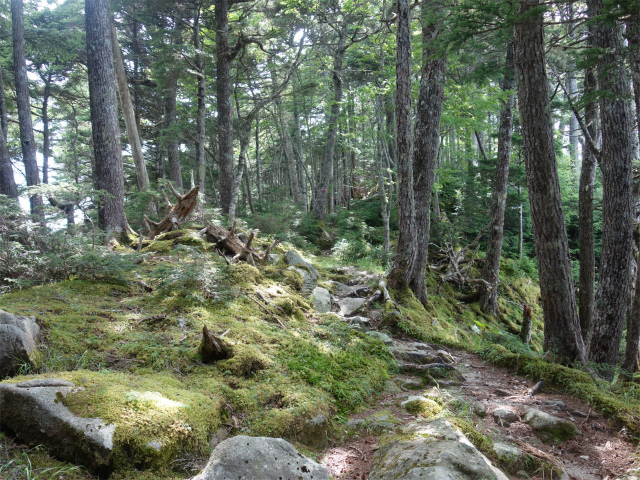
pixel 528 429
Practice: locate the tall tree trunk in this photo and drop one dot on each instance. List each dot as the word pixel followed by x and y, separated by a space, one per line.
pixel 142 177
pixel 404 261
pixel 561 325
pixel 46 137
pixel 287 143
pixel 109 175
pixel 300 156
pixel 202 108
pixel 326 169
pixel 491 269
pixel 617 200
pixel 4 121
pixel 244 134
pixel 427 139
pixel 258 168
pixel 24 108
pixel 586 292
pixel 225 113
pixel 7 180
pixel 170 116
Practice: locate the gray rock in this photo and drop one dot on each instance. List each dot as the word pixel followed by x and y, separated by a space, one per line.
pixel 505 416
pixel 355 423
pixel 309 274
pixel 381 426
pixel 155 444
pixel 386 339
pixel 362 321
pixel 36 415
pixel 295 260
pixel 321 299
pixel 432 450
pixel 411 355
pixel 18 340
pixel 45 382
pixel 549 428
pixel 252 458
pixel 410 383
pixel 375 315
pixel 274 258
pixel 348 306
pixel 338 288
pixel 391 387
pixel 479 408
pixel 445 356
pixel 510 455
pixel 314 432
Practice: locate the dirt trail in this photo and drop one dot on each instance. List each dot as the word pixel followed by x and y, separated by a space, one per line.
pixel 601 452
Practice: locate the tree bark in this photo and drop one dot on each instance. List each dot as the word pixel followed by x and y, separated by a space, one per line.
pixel 287 143
pixel 202 108
pixel 24 108
pixel 427 139
pixel 7 180
pixel 612 295
pixel 326 169
pixel 491 269
pixel 170 116
pixel 142 177
pixel 225 113
pixel 46 138
pixel 177 214
pixel 404 261
pixel 586 293
pixel 561 325
pixel 109 176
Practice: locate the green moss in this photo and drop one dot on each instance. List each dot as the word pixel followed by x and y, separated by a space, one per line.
pixel 245 360
pixel 425 407
pixel 293 279
pixel 158 246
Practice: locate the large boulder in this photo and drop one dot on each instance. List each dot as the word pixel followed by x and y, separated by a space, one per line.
pixel 348 306
pixel 18 340
pixel 250 458
pixel 309 274
pixel 35 412
pixel 549 428
pixel 432 450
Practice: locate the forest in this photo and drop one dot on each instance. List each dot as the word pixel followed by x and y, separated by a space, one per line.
pixel 461 152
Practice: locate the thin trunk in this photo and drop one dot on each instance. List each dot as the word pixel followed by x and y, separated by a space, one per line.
pixel 249 194
pixel 427 139
pixel 587 278
pixel 561 325
pixel 24 108
pixel 109 175
pixel 136 70
pixel 4 121
pixel 46 140
pixel 491 269
pixel 612 295
pixel 170 117
pixel 244 134
pixel 381 143
pixel 142 177
pixel 326 169
pixel 287 144
pixel 404 261
pixel 258 168
pixel 300 156
pixel 202 108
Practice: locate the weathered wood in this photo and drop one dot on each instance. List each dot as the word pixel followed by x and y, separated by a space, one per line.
pixel 177 214
pixel 212 348
pixel 228 242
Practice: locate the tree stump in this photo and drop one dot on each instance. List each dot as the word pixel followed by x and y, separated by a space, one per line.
pixel 177 214
pixel 525 331
pixel 212 348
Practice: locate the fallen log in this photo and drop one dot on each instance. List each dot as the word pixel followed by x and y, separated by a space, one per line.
pixel 228 242
pixel 177 214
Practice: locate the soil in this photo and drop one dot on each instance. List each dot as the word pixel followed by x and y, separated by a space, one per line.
pixel 603 451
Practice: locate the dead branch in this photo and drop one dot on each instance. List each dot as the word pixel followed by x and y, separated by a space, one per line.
pixel 228 242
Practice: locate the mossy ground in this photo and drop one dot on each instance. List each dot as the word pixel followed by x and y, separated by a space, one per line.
pixel 136 352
